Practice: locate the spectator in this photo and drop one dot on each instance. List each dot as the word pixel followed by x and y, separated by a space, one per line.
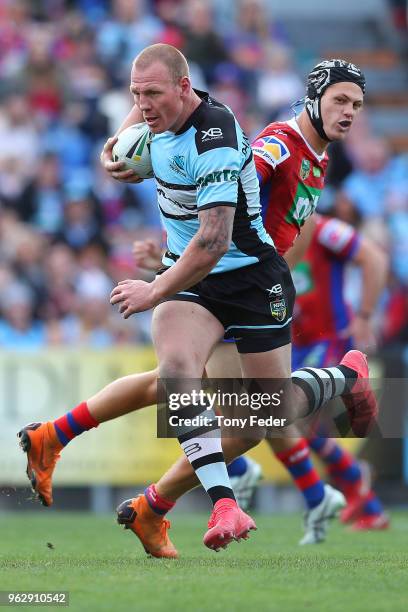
pixel 81 223
pixel 18 328
pixel 19 146
pixel 61 271
pixel 279 85
pixel 41 202
pixel 124 33
pixel 377 176
pixel 42 78
pixel 202 45
pixel 65 88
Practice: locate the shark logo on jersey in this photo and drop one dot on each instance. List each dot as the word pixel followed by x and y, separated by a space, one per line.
pixel 177 164
pixel 271 149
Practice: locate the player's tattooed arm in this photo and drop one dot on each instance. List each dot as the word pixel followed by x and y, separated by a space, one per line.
pixel 201 255
pixel 205 249
pixel 215 232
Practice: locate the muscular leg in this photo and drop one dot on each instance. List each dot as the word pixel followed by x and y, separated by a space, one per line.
pixel 180 364
pixel 291 450
pixel 225 362
pixel 116 399
pixel 136 391
pixel 309 389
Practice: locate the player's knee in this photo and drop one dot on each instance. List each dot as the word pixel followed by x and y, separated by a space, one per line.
pixel 177 366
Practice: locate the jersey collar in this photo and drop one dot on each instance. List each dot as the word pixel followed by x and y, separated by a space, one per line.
pixel 295 126
pixel 204 95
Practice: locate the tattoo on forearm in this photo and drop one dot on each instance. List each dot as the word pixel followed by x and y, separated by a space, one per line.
pixel 215 230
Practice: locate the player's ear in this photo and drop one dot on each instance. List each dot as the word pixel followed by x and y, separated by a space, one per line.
pixel 185 85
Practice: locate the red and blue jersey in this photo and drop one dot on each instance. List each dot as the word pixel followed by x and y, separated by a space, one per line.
pixel 321 311
pixel 291 177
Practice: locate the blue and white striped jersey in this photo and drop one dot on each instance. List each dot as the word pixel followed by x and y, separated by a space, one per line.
pixel 208 163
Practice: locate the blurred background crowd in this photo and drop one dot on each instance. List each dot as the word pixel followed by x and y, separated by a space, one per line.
pixel 66 228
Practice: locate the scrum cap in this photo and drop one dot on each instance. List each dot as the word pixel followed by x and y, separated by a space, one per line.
pixel 320 78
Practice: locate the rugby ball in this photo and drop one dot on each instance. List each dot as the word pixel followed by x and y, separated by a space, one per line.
pixel 132 148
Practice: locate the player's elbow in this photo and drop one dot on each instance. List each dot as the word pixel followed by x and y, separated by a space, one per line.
pixel 374 263
pixel 213 254
pixel 381 261
pixel 221 249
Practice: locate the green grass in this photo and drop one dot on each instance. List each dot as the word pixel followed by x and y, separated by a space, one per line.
pixel 105 568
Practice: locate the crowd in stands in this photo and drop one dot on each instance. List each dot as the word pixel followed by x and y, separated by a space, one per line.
pixel 66 228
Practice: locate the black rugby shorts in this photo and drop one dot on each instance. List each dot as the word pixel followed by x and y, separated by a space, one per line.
pixel 254 303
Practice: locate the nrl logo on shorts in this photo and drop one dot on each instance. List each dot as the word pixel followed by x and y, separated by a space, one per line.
pixel 304 169
pixel 177 164
pixel 277 302
pixel 278 309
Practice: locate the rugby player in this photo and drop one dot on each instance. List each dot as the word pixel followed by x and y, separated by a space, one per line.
pixel 272 358
pixel 324 328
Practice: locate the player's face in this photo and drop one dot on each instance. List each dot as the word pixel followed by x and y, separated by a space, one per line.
pixel 161 101
pixel 339 105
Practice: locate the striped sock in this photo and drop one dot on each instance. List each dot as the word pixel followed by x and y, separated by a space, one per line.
pixel 158 504
pixel 323 384
pixel 73 423
pixel 342 466
pixel 202 447
pixel 372 505
pixel 346 472
pixel 297 461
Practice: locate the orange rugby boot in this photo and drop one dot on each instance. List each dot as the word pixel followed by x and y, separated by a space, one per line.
pixel 41 444
pixel 360 402
pixel 227 523
pixel 151 528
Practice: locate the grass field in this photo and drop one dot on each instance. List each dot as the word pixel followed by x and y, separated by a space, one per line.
pixel 104 568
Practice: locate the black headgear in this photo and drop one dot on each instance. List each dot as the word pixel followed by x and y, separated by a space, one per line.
pixel 320 78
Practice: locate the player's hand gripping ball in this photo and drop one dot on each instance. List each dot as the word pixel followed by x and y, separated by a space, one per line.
pixel 133 149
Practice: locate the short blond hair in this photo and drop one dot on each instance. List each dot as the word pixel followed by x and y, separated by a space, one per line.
pixel 167 55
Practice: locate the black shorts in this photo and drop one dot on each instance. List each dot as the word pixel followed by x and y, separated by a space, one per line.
pixel 254 304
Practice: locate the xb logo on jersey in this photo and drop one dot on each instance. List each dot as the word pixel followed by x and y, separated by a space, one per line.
pixel 211 134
